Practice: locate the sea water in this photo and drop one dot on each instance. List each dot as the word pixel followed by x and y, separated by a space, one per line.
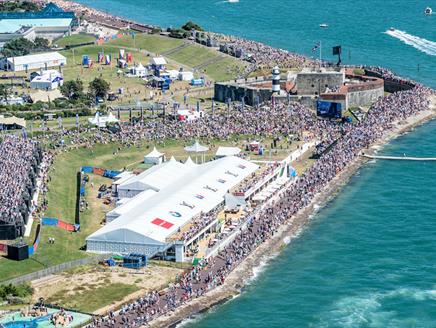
pixel 368 259
pixel 361 27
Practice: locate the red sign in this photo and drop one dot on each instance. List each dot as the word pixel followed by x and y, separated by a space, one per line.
pixel 162 223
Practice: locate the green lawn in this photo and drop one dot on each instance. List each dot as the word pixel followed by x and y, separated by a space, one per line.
pixel 74 70
pixel 194 55
pixel 152 43
pixel 92 298
pixel 225 69
pixel 74 39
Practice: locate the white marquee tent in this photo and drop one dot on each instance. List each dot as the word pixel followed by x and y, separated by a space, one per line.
pixel 145 226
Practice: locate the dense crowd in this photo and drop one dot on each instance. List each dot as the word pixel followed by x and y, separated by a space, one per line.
pixel 19 159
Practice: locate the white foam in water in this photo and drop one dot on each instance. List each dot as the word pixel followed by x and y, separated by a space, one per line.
pixel 426 46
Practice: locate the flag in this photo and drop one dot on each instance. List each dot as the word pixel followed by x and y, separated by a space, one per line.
pixel 316 46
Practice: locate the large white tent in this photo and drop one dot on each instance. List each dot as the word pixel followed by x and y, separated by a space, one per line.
pixel 145 226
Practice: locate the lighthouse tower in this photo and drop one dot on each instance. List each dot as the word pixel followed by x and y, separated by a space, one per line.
pixel 276 79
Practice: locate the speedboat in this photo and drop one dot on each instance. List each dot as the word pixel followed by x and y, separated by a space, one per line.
pixel 428 11
pixel 392 29
pixel 323 25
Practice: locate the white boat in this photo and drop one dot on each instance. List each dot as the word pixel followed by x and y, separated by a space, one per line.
pixel 391 29
pixel 428 11
pixel 233 1
pixel 323 25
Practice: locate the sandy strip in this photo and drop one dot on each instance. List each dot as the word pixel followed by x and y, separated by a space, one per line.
pixel 244 271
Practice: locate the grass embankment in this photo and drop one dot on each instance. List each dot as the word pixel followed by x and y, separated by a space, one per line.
pixel 74 39
pixel 193 55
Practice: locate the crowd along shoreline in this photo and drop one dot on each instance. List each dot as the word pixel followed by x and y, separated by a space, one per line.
pixel 240 276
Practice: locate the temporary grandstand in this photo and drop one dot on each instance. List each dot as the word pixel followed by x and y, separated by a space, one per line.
pixel 51 22
pixel 162 200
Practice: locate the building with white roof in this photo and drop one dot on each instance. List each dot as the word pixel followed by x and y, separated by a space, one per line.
pixel 49 23
pixel 146 222
pixel 36 61
pixel 47 80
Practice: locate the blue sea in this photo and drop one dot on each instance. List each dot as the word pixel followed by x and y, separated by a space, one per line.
pixel 367 259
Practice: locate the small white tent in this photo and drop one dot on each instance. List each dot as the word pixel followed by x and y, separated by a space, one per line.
pixel 101 121
pixel 154 157
pixel 197 148
pixel 139 70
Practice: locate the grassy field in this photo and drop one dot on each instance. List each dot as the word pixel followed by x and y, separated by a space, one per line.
pixel 194 55
pixel 74 39
pixel 89 298
pixel 153 43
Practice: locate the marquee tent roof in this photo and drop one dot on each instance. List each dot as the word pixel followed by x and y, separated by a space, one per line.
pixel 154 153
pixel 156 177
pixel 227 151
pixel 13 120
pixel 196 148
pixel 199 189
pixel 37 58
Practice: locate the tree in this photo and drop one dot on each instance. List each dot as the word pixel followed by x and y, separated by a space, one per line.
pixel 40 43
pixel 17 47
pixel 99 88
pixel 72 89
pixel 190 25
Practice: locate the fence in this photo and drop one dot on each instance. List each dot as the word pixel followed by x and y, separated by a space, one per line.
pixel 55 269
pixel 59 223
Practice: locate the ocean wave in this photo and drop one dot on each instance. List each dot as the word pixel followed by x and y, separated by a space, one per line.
pixel 423 45
pixel 368 309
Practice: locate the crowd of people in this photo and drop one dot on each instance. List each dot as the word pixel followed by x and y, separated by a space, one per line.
pixel 19 160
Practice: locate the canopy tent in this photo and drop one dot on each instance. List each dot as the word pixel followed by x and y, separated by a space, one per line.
pixel 101 121
pixel 189 162
pixel 139 70
pixel 197 148
pixel 13 121
pixel 154 157
pixel 227 151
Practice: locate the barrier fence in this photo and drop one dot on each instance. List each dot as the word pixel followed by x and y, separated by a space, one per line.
pixel 33 248
pixel 60 224
pixel 100 171
pixel 54 269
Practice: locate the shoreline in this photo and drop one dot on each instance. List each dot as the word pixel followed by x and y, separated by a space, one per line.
pixel 241 275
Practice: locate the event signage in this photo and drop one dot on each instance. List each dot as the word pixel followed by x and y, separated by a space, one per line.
pixel 175 214
pixel 162 223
